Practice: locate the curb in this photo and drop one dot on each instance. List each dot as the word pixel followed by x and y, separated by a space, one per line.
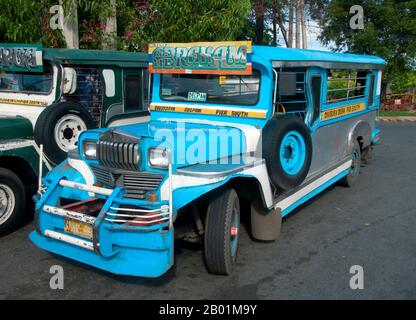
pixel 396 119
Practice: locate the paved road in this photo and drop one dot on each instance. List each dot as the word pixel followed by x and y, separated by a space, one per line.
pixel 372 225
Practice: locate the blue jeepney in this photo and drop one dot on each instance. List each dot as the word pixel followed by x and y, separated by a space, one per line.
pixel 231 125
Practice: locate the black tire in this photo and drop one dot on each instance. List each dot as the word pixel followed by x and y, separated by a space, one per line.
pixel 367 154
pixel 47 122
pixel 13 214
pixel 220 246
pixel 350 179
pixel 282 130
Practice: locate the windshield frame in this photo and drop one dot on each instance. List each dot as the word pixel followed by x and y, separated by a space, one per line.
pixel 215 103
pixel 27 92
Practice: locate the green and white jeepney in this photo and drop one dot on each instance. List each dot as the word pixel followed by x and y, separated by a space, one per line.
pixel 19 169
pixel 63 92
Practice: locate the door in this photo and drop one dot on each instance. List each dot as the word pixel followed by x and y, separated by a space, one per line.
pixel 132 109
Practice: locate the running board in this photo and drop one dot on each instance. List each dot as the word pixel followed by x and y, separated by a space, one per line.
pixel 289 201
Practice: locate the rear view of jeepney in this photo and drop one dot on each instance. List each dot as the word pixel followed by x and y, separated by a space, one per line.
pixel 221 140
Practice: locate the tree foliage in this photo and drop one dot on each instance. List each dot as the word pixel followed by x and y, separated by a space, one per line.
pixel 389 31
pixel 27 21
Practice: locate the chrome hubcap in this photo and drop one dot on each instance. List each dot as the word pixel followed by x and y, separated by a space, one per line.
pixel 67 131
pixel 7 203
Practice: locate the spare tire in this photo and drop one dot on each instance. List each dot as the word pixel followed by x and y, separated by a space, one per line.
pixel 58 128
pixel 287 149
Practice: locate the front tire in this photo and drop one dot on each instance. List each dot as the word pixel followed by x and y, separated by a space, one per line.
pixel 12 201
pixel 222 232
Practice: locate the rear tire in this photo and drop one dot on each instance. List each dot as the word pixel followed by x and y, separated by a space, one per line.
pixel 350 179
pixel 222 232
pixel 12 201
pixel 58 128
pixel 367 155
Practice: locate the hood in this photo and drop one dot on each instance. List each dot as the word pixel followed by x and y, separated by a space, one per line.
pixel 193 141
pixel 15 128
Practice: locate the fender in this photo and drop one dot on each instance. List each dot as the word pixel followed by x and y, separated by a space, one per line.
pixel 188 185
pixel 361 129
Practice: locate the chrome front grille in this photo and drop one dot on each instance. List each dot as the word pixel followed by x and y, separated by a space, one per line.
pixel 136 183
pixel 118 155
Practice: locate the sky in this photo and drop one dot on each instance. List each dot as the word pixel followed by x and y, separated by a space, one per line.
pixel 313 30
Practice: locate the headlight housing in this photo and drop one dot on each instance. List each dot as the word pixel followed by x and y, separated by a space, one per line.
pixel 158 158
pixel 89 149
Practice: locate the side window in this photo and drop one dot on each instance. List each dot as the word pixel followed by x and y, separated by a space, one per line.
pixel 371 91
pixel 316 96
pixel 89 91
pixel 133 92
pixel 291 91
pixel 344 85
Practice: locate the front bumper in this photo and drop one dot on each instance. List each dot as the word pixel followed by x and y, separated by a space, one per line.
pixel 137 241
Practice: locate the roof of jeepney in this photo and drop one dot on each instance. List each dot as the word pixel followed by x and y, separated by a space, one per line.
pixel 95 56
pixel 289 57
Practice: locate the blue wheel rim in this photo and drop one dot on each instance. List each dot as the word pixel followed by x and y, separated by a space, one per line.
pixel 292 152
pixel 234 237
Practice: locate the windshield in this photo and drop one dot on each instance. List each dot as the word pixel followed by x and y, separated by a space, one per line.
pixel 26 82
pixel 202 88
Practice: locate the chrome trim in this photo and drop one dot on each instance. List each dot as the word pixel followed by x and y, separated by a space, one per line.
pixel 84 187
pixel 68 239
pixel 69 214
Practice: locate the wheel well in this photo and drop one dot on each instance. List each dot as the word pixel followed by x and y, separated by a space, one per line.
pixel 19 167
pixel 360 133
pixel 360 141
pixel 247 188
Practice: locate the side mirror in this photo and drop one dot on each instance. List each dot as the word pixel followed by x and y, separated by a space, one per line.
pixel 287 84
pixel 69 80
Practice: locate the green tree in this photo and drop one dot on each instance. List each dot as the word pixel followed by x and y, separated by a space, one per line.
pixel 389 31
pixel 138 21
pixel 142 22
pixel 27 21
pixel 207 20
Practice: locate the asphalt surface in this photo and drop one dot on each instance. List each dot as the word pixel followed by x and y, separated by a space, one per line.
pixel 372 225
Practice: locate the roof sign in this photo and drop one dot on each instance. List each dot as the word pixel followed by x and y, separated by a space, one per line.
pixel 228 57
pixel 21 57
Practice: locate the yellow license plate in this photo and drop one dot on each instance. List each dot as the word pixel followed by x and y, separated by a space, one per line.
pixel 78 228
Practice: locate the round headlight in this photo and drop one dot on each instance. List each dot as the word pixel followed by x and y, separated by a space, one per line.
pixel 89 149
pixel 158 158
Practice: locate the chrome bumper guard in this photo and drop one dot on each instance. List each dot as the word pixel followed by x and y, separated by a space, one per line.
pixel 68 239
pixel 153 216
pixel 114 214
pixel 70 214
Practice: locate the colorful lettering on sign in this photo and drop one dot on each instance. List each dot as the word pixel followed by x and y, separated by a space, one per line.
pixel 342 111
pixel 230 57
pixel 24 58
